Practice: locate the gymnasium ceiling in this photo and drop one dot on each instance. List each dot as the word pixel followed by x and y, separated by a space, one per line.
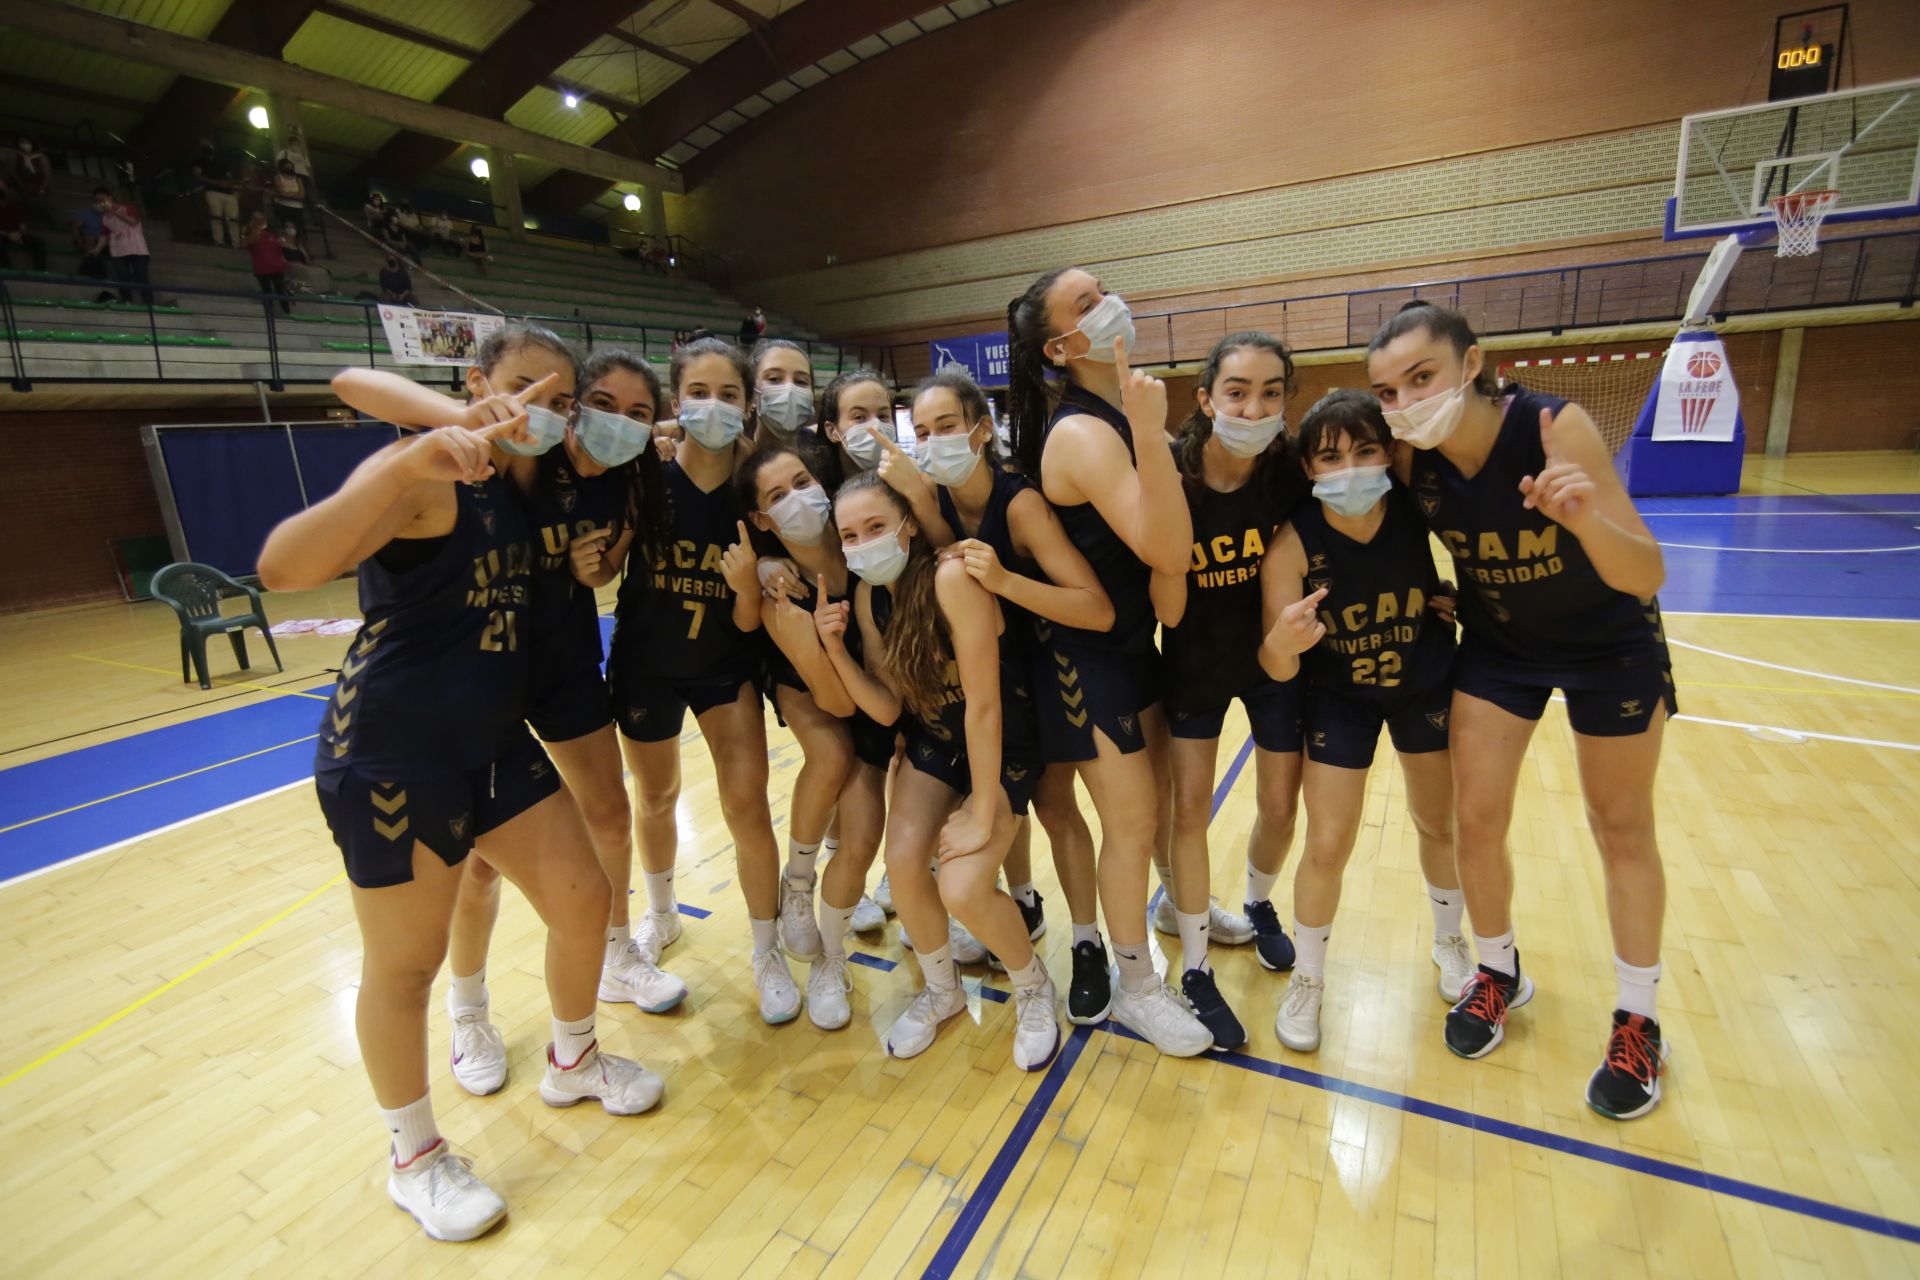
pixel 660 80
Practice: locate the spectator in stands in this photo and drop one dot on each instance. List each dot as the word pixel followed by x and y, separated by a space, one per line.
pixel 394 236
pixel 126 244
pixel 477 249
pixel 213 176
pixel 417 236
pixel 32 174
pixel 395 284
pixel 679 340
pixel 289 195
pixel 304 275
pixel 269 259
pixel 14 233
pixel 295 153
pixel 375 213
pixel 440 226
pixel 753 328
pixel 90 244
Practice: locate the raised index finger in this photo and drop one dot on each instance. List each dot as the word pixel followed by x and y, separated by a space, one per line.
pixel 1120 358
pixel 536 390
pixel 820 596
pixel 742 526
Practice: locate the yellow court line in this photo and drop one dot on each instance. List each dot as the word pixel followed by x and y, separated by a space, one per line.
pixel 167 986
pixel 148 786
pixel 221 684
pixel 1812 693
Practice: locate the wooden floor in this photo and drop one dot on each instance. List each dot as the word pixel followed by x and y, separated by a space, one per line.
pixel 180 1092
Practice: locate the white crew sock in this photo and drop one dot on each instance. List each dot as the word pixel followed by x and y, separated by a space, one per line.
pixel 1086 933
pixel 765 937
pixel 1032 975
pixel 1193 936
pixel 1498 954
pixel 1449 906
pixel 618 936
pixel 1636 987
pixel 1310 948
pixel 469 992
pixel 936 967
pixel 1260 884
pixel 412 1129
pixel 1136 967
pixel 571 1040
pixel 1024 894
pixel 801 859
pixel 834 923
pixel 660 899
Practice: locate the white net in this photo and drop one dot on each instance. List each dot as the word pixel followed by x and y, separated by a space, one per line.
pixel 1610 388
pixel 1798 216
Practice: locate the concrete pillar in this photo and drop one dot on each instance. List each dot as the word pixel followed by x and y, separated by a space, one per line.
pixel 504 180
pixel 653 210
pixel 1786 377
pixel 283 116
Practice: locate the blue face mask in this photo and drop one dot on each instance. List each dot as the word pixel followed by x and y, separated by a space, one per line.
pixel 545 426
pixel 1354 491
pixel 878 561
pixel 712 424
pixel 610 439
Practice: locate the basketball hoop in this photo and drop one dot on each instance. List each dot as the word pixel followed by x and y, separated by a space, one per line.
pixel 1798 216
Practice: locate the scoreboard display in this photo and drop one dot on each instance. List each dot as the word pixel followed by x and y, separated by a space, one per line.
pixel 1807 47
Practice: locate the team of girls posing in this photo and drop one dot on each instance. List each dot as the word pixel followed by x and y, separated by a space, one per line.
pixel 953 638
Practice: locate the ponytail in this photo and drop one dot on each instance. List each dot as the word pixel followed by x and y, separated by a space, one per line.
pixel 1030 400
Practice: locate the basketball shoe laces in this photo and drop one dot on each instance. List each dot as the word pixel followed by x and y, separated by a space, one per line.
pixel 1487 1000
pixel 1630 1051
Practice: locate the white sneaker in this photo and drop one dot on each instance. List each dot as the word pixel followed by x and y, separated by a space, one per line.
pixel 1036 1028
pixel 883 894
pixel 1227 928
pixel 828 983
pixel 444 1195
pixel 655 932
pixel 623 1086
pixel 1162 1019
pixel 966 948
pixel 1298 1022
pixel 1456 966
pixel 799 931
pixel 868 916
pixel 914 1030
pixel 629 977
pixel 779 997
pixel 479 1052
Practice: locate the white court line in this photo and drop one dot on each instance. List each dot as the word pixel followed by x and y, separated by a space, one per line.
pixel 1791 551
pixel 157 831
pixel 1778 617
pixel 1803 733
pixel 1763 515
pixel 1798 671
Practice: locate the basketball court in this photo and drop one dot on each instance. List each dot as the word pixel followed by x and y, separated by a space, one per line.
pixel 181 1092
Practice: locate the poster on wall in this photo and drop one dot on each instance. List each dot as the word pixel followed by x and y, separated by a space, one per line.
pixel 436 337
pixel 984 355
pixel 1698 399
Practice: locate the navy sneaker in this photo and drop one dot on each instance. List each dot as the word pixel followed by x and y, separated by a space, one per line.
pixel 1203 993
pixel 1090 996
pixel 1627 1083
pixel 1478 1023
pixel 1035 916
pixel 1270 942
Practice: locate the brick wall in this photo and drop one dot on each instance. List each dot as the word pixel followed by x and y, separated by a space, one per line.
pixel 1856 389
pixel 1224 145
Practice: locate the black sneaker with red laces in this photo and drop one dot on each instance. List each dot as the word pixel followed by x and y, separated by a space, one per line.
pixel 1627 1083
pixel 1478 1022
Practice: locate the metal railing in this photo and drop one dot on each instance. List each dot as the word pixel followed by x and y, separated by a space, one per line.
pixel 1848 271
pixel 269 346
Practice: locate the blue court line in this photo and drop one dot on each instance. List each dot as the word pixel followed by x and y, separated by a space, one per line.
pixel 698 913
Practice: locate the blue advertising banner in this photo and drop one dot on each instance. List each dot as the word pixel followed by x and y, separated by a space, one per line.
pixel 984 355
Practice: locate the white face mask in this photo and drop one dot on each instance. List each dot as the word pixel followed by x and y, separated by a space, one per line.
pixel 784 406
pixel 878 561
pixel 951 460
pixel 1426 424
pixel 610 439
pixel 801 516
pixel 1247 437
pixel 1354 491
pixel 712 424
pixel 862 443
pixel 1109 321
pixel 545 426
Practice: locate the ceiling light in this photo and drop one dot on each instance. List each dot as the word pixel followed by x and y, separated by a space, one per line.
pixel 480 168
pixel 257 117
pixel 631 202
pixel 573 100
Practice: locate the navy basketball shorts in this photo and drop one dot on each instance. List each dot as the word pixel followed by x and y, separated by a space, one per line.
pixel 1274 709
pixel 654 709
pixel 873 742
pixel 1076 691
pixel 1343 731
pixel 1019 775
pixel 375 820
pixel 569 704
pixel 1614 702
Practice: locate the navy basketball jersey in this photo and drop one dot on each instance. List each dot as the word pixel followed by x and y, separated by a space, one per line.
pixel 562 506
pixel 779 669
pixel 1019 732
pixel 1382 643
pixel 435 681
pixel 1214 654
pixel 1124 575
pixel 996 530
pixel 674 618
pixel 1529 596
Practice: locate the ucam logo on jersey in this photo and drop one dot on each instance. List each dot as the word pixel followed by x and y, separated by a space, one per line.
pixel 1698 399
